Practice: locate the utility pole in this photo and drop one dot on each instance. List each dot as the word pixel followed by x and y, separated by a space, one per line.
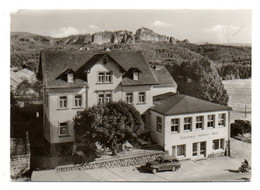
pixel 245 112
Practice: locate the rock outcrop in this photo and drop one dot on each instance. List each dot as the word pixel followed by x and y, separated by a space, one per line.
pixel 146 34
pixel 116 37
pixel 121 36
pixel 79 39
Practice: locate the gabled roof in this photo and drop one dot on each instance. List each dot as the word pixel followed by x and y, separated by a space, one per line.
pixel 164 77
pixel 54 63
pixel 176 104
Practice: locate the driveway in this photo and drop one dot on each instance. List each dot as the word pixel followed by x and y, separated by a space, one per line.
pixel 212 169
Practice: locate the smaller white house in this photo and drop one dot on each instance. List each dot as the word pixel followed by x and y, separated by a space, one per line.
pixel 189 128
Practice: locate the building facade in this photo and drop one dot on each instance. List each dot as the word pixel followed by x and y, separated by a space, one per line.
pixel 190 128
pixel 75 81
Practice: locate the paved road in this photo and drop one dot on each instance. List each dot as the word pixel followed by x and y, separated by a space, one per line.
pixel 213 169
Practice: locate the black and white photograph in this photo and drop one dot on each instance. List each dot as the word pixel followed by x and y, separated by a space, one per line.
pixel 130 95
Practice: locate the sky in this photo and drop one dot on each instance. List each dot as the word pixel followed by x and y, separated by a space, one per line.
pixel 198 26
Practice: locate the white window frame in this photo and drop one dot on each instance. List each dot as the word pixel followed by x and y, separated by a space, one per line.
pixel 62 102
pixel 221 144
pixel 78 100
pixel 175 125
pixel 101 77
pixel 108 97
pixel 70 77
pixel 159 124
pixel 142 97
pixel 101 98
pixel 185 123
pixel 135 76
pixel 195 152
pixel 67 128
pixel 105 77
pixel 199 122
pixel 105 96
pixel 221 121
pixel 211 121
pixel 129 95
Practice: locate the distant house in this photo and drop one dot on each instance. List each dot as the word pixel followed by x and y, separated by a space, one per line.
pixel 18 75
pixel 189 128
pixel 75 81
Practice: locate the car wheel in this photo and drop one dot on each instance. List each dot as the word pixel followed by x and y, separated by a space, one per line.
pixel 154 171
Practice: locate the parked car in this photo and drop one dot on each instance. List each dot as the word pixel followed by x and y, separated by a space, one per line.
pixel 164 163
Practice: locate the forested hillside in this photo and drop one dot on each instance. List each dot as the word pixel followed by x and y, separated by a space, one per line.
pixel 231 61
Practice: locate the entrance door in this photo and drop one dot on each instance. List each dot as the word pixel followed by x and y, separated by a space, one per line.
pixel 195 149
pixel 174 151
pixel 203 148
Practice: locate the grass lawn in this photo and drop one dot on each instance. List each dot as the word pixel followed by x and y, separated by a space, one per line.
pixel 239 91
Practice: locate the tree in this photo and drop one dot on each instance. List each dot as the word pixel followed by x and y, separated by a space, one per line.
pixel 30 88
pixel 200 79
pixel 109 124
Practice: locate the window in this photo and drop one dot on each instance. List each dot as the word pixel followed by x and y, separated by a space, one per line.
pixel 78 101
pixel 159 124
pixel 63 102
pixel 101 77
pixel 141 97
pixel 199 122
pixel 129 98
pixel 194 149
pixel 218 144
pixel 104 77
pixel 135 76
pixel 187 123
pixel 108 77
pixel 63 129
pixel 181 150
pixel 70 77
pixel 101 98
pixel 175 125
pixel 221 119
pixel 211 121
pixel 108 97
pixel 104 97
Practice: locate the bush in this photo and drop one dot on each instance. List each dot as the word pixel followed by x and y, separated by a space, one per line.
pixel 240 127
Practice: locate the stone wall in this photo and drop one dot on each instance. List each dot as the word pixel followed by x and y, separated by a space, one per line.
pixel 19 164
pixel 20 156
pixel 117 162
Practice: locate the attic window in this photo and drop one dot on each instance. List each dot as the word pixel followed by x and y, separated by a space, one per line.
pixel 70 77
pixel 135 76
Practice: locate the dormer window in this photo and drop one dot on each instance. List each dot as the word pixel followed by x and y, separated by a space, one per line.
pixel 70 77
pixel 135 76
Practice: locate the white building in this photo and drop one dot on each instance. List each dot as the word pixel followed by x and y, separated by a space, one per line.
pixel 189 128
pixel 75 81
